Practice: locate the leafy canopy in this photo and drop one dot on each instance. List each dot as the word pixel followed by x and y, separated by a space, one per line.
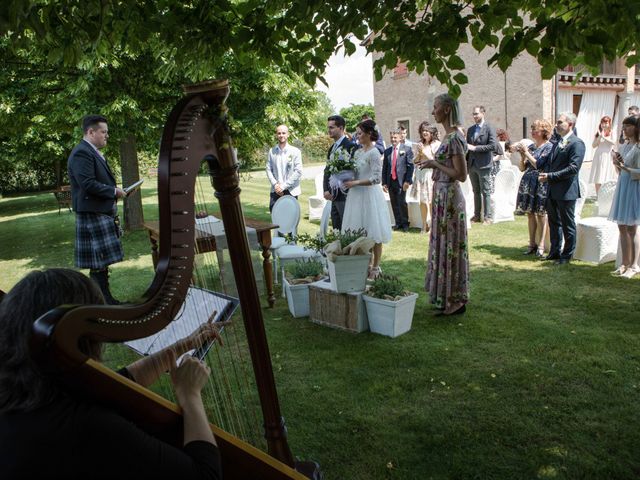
pixel 300 35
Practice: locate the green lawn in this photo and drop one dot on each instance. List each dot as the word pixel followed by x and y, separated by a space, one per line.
pixel 539 379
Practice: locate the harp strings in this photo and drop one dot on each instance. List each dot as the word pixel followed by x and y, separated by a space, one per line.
pixel 231 389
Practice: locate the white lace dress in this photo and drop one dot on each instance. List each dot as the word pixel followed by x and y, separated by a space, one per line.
pixel 366 206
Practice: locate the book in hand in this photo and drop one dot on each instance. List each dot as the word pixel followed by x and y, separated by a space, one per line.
pixel 198 306
pixel 133 187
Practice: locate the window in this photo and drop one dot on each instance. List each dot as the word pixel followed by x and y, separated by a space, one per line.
pixel 400 71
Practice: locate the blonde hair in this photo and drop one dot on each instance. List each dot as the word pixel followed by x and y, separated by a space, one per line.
pixel 455 117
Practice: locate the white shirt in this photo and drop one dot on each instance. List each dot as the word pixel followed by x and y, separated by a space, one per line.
pixel 284 166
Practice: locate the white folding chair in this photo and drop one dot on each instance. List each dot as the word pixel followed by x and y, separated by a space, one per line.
pixel 285 214
pixel 597 237
pixel 317 201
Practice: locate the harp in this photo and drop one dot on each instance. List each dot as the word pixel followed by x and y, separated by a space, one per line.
pixel 195 129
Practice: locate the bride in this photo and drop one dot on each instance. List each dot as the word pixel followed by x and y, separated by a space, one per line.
pixel 366 206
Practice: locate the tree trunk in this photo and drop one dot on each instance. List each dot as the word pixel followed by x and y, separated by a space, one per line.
pixel 133 217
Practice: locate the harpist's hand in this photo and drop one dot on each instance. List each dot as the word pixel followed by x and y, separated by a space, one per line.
pixel 203 334
pixel 189 378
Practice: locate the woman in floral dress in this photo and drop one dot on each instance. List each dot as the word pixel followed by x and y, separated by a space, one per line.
pixel 447 279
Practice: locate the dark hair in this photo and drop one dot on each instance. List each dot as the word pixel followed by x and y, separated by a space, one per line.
pixel 634 108
pixel 338 120
pixel 92 121
pixel 635 121
pixel 22 386
pixel 402 128
pixel 502 135
pixel 369 127
pixel 479 107
pixel 427 127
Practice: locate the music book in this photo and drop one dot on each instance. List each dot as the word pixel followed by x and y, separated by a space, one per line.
pixel 198 306
pixel 133 186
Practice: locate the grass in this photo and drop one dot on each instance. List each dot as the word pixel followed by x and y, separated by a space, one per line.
pixel 539 379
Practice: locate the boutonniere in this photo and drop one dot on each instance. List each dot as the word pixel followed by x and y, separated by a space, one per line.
pixel 402 152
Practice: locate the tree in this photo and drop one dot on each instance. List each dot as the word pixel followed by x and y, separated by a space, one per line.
pixel 300 35
pixel 353 114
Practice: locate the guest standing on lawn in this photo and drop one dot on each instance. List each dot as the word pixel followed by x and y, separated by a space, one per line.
pixel 284 167
pixel 532 195
pixel 94 195
pixel 625 207
pixel 422 186
pixel 366 207
pixel 602 166
pixel 447 279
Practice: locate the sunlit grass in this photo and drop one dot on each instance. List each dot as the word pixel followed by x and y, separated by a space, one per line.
pixel 539 379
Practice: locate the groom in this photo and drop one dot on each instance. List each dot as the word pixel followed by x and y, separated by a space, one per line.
pixel 564 189
pixel 335 128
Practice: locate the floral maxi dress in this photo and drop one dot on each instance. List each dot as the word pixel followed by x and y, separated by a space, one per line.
pixel 447 279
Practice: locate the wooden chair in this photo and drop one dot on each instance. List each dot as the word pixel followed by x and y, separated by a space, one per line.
pixel 63 197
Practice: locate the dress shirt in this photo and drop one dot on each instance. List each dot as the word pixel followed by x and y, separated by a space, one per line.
pixel 284 166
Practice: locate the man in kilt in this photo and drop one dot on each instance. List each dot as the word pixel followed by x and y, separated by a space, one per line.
pixel 94 194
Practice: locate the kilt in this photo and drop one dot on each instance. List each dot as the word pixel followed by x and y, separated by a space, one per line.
pixel 97 241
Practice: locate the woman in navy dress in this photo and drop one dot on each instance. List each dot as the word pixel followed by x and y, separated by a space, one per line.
pixel 532 195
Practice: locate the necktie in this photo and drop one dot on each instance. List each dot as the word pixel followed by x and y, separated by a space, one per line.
pixel 394 159
pixel 476 133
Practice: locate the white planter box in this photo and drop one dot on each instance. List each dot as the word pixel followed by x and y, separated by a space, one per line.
pixel 298 298
pixel 390 318
pixel 349 273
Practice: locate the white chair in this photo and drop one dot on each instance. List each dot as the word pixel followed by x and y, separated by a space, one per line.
pixel 286 214
pixel 581 200
pixel 317 201
pixel 467 193
pixel 503 201
pixel 324 220
pixel 596 237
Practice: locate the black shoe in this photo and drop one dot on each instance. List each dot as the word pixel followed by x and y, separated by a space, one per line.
pixel 531 250
pixel 405 229
pixel 562 261
pixel 551 257
pixel 475 219
pixel 459 311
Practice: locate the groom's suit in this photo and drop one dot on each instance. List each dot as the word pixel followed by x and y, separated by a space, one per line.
pixel 564 190
pixel 339 199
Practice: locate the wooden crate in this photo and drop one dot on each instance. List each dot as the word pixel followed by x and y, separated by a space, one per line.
pixel 345 311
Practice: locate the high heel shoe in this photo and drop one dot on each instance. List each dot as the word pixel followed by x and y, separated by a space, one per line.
pixel 532 249
pixel 619 271
pixel 374 272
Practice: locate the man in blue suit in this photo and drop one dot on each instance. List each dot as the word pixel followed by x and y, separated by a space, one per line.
pixel 481 143
pixel 397 176
pixel 335 128
pixel 564 189
pixel 94 194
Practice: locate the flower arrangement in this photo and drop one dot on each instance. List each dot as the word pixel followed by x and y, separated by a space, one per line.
pixel 304 271
pixel 387 287
pixel 341 167
pixel 340 160
pixel 317 243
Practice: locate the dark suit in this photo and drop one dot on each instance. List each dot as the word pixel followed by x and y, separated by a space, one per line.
pixel 93 186
pixel 339 199
pixel 564 189
pixel 404 174
pixel 479 165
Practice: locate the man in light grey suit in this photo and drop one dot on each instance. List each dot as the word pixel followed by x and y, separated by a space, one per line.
pixel 482 143
pixel 284 167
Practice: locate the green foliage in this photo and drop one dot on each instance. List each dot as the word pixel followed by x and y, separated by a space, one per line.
pixel 305 268
pixel 353 115
pixel 314 147
pixel 317 243
pixel 386 286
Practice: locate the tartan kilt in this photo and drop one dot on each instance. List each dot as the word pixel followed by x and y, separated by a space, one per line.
pixel 97 241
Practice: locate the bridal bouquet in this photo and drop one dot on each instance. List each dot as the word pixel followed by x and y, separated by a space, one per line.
pixel 341 169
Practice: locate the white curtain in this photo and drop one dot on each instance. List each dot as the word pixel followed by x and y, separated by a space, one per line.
pixel 565 102
pixel 595 105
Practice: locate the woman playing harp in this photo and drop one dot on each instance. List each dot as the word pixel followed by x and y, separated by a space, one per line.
pixel 46 429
